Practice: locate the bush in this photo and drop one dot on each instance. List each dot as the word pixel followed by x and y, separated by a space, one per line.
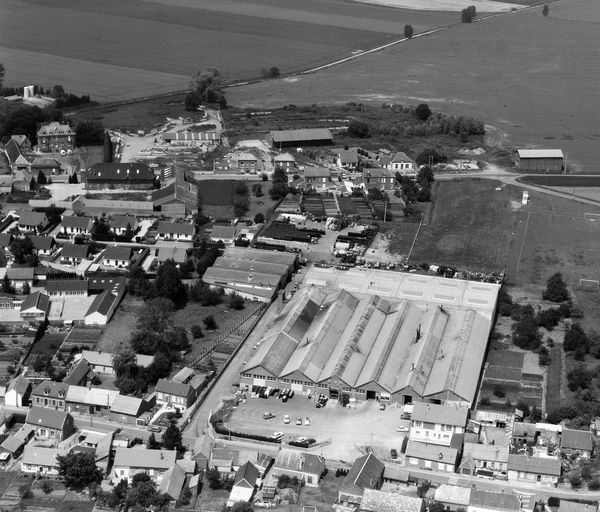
pixel 545 10
pixel 499 391
pixel 408 31
pixel 358 129
pixel 197 331
pixel 25 491
pixel 47 486
pixel 423 112
pixel 575 480
pixel 554 501
pixel 236 302
pixel 468 14
pixel 259 218
pixel 525 333
pixel 576 339
pixel 556 289
pixel 594 484
pixel 548 318
pixel 210 323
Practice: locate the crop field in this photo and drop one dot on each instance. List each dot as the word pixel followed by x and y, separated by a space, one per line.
pixel 217 192
pixel 118 50
pixel 520 73
pixel 470 226
pixel 562 180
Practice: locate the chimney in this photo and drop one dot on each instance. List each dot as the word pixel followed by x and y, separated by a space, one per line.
pixel 162 456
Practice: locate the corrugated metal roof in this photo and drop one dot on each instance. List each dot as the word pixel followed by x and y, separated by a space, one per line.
pixel 140 458
pixel 540 153
pixel 453 494
pixel 91 396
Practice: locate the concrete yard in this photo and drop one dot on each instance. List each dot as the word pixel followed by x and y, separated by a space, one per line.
pixel 344 429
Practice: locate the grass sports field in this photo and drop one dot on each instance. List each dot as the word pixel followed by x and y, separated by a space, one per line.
pixel 117 50
pixel 520 72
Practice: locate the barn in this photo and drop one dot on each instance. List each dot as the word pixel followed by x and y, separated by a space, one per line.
pixel 546 160
pixel 294 138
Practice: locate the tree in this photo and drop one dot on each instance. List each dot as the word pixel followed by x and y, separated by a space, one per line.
pixel 242 506
pixel 423 112
pixel 259 218
pixel 468 14
pixel 423 488
pixel 425 176
pixel 207 86
pixel 25 120
pixel 430 156
pixel 127 385
pixel 556 289
pixel 274 71
pixel 2 71
pixel 32 184
pixel 525 333
pixel 7 286
pixel 499 391
pixel 171 439
pixel 575 338
pixel 73 178
pixel 22 250
pixel 358 129
pixel 197 331
pixel 42 363
pixel 436 506
pixel 408 31
pixel 47 486
pixel 192 101
pixel 214 478
pixel 108 148
pixel 78 469
pixel 579 378
pixel 546 10
pixel 159 368
pixel 125 362
pixel 210 323
pixel 41 178
pixel 89 133
pixel 168 283
pixel 25 491
pixel 156 315
pixel 280 184
pixel 236 302
pixel 548 318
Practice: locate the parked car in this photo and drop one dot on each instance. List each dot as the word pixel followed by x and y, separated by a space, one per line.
pixel 268 415
pixel 154 428
pixel 298 421
pixel 405 416
pixel 307 421
pixel 402 428
pixel 277 435
pixel 286 419
pixel 382 407
pixel 302 439
pixel 394 453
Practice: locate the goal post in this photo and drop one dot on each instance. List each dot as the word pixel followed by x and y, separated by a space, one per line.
pixel 589 284
pixel 591 216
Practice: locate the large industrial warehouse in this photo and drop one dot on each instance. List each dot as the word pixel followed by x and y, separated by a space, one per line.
pixel 376 334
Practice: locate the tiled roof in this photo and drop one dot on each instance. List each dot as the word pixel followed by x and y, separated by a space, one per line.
pixel 380 501
pixel 32 219
pixel 91 396
pixel 365 473
pixel 55 128
pixel 453 494
pixel 77 222
pixel 125 171
pixel 494 500
pixel 42 243
pixel 576 439
pixel 122 221
pixel 173 388
pixel 127 405
pixel 180 228
pixel 36 300
pixel 40 416
pixel 20 385
pixel 441 414
pixel 75 251
pixel 51 389
pixel 247 475
pixel 537 465
pixel 118 253
pixel 102 303
pixel 150 459
pixel 40 456
pixel 66 285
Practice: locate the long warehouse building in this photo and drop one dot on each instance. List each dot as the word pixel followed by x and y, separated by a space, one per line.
pixel 423 340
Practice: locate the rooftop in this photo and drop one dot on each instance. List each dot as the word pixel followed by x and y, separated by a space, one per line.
pixel 55 128
pixel 365 473
pixel 91 396
pixel 119 253
pixel 453 494
pixel 495 500
pixel 301 135
pixel 40 456
pixel 173 388
pixel 180 228
pixel 96 358
pixel 440 414
pixel 76 222
pixel 124 171
pixel 380 501
pixel 537 465
pixel 433 452
pixel 292 460
pixel 576 439
pixel 150 459
pixel 540 153
pixel 50 418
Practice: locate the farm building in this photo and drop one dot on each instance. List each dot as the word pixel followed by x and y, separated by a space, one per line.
pixel 185 138
pixel 55 137
pixel 547 160
pixel 367 335
pixel 306 137
pixel 120 175
pixel 15 154
pixel 253 274
pixel 46 165
pixel 177 199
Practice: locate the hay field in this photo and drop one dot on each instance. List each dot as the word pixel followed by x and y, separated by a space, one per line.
pixel 116 50
pixel 522 73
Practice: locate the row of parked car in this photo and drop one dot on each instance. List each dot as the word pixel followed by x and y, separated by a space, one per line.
pixel 267 391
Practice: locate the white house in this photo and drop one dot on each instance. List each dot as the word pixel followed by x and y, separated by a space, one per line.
pixel 433 423
pixel 119 223
pixel 17 392
pixel 73 225
pixel 401 163
pixel 118 257
pixel 131 461
pixel 39 460
pixel 180 231
pixel 225 234
pixel 244 483
pixel 102 362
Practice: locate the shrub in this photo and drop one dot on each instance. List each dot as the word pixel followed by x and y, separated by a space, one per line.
pixel 236 302
pixel 594 484
pixel 210 323
pixel 499 391
pixel 197 331
pixel 556 289
pixel 575 480
pixel 358 129
pixel 47 486
pixel 525 333
pixel 408 31
pixel 545 10
pixel 423 112
pixel 554 501
pixel 468 14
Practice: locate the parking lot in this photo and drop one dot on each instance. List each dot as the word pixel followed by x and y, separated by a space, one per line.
pixel 343 429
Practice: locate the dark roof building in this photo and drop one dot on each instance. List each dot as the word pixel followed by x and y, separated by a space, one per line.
pixel 77 222
pixel 304 137
pixel 75 251
pixel 67 286
pixel 124 174
pixel 42 243
pixel 366 473
pixel 179 192
pixel 118 253
pixel 573 441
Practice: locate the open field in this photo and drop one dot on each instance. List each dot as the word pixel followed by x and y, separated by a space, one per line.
pixel 144 48
pixel 507 71
pixel 562 180
pixel 470 227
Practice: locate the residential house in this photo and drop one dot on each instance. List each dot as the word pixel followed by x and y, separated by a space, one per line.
pixel 120 223
pixel 400 162
pixel 14 444
pixel 365 473
pixel 453 497
pixel 20 276
pixel 35 307
pixel 486 460
pixel 102 362
pixel 17 393
pixel 48 166
pixel 381 501
pixel 15 154
pixel 86 400
pixel 307 467
pixel 433 423
pixel 180 231
pixel 67 287
pixel 573 506
pixel 80 374
pixel 50 424
pixel 577 442
pixel 23 141
pixel 6 239
pixel 40 460
pixel 487 501
pixel 128 175
pixel 175 394
pixel 127 409
pixel 224 460
pixel 102 308
pixel 545 470
pixel 379 178
pixel 244 483
pixel 177 254
pixel 117 256
pixel 317 177
pixel 131 461
pixel 43 245
pixel 178 199
pixel 49 394
pixel 74 254
pixel 73 225
pixel 247 162
pixel 55 137
pixel 32 222
pixel 172 482
pixel 434 456
pixel 346 158
pixel 285 161
pixel 225 234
